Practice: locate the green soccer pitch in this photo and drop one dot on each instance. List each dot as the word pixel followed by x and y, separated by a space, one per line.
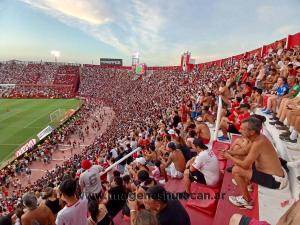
pixel 22 119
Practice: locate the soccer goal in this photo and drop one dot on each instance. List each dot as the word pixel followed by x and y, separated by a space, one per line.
pixel 57 115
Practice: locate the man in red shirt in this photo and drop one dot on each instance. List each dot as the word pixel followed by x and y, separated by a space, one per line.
pixel 292 71
pixel 233 124
pixel 183 109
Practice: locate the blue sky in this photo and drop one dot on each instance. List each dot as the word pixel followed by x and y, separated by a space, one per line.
pixel 160 30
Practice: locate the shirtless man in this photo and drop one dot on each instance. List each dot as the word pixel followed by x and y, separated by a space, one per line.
pixel 207 99
pixel 175 164
pixel 261 165
pixel 271 79
pixel 202 131
pixel 257 101
pixel 224 93
pixel 240 147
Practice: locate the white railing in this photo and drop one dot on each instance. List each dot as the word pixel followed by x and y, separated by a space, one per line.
pixel 218 118
pixel 121 160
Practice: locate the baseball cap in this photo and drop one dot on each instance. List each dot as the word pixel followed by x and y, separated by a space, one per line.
pixel 140 160
pixel 198 142
pixel 86 164
pixel 171 131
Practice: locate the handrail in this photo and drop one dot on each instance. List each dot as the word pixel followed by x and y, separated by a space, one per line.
pixel 218 118
pixel 120 160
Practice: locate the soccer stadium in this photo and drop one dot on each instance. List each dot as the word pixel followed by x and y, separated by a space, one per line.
pixel 149 112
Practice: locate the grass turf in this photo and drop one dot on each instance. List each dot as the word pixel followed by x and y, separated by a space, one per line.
pixel 23 119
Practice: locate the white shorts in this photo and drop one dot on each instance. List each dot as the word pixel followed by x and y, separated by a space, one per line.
pixel 172 172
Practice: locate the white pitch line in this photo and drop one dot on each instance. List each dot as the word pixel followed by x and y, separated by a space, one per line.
pixel 32 121
pixel 21 127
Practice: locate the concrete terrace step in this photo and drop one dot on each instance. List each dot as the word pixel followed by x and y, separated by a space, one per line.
pixel 225 209
pixel 284 152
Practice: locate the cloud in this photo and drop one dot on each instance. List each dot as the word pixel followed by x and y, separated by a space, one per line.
pixel 93 17
pixel 91 12
pixel 133 27
pixel 162 30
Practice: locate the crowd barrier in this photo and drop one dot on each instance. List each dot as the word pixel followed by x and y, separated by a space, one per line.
pixel 218 120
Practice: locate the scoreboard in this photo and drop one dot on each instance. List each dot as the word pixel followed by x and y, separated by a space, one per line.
pixel 111 62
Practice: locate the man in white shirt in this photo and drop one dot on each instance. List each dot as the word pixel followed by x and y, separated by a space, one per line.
pixel 76 210
pixel 204 168
pixel 89 180
pixel 114 153
pixel 250 66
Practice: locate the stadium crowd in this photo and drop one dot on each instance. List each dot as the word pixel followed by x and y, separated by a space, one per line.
pixel 40 91
pixel 41 80
pixel 168 115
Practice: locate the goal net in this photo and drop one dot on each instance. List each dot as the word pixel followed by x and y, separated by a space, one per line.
pixel 57 116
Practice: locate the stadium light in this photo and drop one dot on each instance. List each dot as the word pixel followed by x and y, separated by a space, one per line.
pixel 56 54
pixel 136 55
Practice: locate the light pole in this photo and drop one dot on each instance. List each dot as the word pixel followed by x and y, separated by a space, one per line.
pixel 56 54
pixel 135 58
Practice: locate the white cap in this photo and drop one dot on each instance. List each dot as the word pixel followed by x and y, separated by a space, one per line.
pixel 140 160
pixel 171 131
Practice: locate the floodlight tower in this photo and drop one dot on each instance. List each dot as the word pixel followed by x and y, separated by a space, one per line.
pixel 56 54
pixel 135 58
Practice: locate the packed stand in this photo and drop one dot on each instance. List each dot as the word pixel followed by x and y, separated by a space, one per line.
pixel 38 91
pixel 39 80
pixel 168 115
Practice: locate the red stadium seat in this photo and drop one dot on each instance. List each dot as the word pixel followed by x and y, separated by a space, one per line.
pixel 265 100
pixel 203 198
pixel 218 146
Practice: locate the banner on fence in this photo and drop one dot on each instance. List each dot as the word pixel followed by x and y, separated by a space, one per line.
pixel 29 145
pixel 45 132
